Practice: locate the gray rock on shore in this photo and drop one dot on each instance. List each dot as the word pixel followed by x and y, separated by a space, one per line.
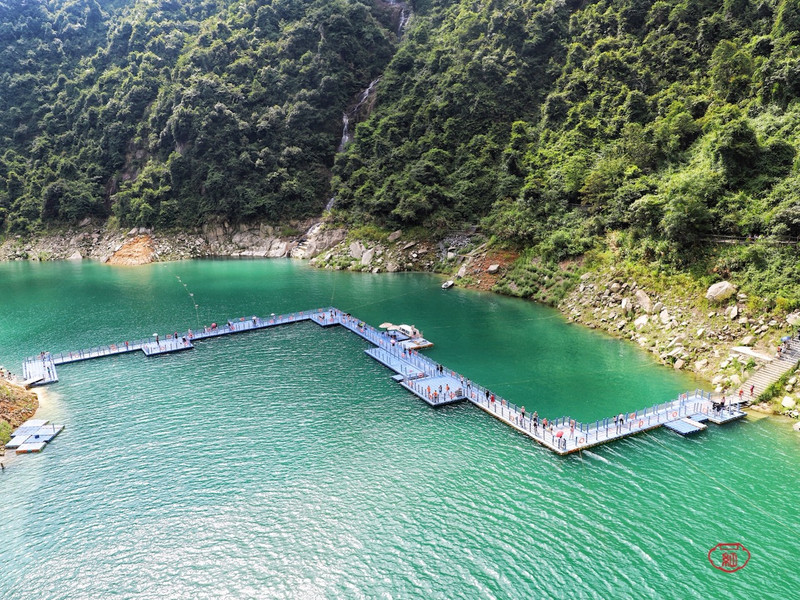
pixel 644 301
pixel 720 291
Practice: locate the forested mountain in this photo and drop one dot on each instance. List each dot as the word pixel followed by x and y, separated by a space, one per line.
pixel 554 123
pixel 671 116
pixel 172 112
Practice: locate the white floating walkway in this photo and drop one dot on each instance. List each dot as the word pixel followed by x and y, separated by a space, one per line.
pixel 433 383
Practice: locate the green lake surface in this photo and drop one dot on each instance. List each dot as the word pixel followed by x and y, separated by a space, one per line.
pixel 286 463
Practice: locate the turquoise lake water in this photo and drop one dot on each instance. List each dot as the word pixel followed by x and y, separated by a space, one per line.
pixel 287 464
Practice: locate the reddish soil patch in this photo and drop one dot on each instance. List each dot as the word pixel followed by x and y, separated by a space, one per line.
pixel 138 251
pixel 17 404
pixel 478 266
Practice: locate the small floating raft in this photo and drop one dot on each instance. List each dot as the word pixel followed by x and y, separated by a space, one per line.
pixel 33 435
pixel 685 426
pixel 31 447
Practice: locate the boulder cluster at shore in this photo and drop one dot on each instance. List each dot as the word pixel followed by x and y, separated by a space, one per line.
pixel 682 332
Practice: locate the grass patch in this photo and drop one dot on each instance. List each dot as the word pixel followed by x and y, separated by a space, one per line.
pixel 5 431
pixel 530 277
pixel 368 232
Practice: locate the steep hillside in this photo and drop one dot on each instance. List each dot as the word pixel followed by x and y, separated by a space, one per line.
pixel 175 112
pixel 661 124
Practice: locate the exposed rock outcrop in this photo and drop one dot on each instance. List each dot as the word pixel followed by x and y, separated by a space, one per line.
pixel 137 251
pixel 140 245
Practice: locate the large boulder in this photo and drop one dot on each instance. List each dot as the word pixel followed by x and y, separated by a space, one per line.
pixel 788 402
pixel 367 257
pixel 356 250
pixel 641 321
pixel 319 239
pixel 644 301
pixel 277 249
pixel 720 291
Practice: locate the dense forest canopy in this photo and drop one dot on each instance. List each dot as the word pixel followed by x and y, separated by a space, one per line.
pixel 173 112
pixel 554 123
pixel 677 118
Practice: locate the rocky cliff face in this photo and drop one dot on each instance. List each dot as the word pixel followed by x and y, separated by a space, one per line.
pixel 140 246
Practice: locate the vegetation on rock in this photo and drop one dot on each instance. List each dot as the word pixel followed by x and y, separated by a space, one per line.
pixel 665 122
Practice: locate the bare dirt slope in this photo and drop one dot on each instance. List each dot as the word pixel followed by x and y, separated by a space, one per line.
pixel 137 251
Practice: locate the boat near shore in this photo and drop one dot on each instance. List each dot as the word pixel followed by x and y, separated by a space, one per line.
pixel 448 284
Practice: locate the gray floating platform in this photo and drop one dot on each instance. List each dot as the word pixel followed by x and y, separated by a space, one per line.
pixel 416 378
pixel 324 320
pixel 33 435
pixel 435 390
pixel 685 426
pixel 31 423
pixel 16 441
pixel 39 370
pixel 46 433
pixel 423 377
pixel 32 381
pixel 726 416
pixel 166 346
pixel 30 447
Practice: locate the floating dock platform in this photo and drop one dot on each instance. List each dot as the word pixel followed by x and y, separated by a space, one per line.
pixel 685 426
pixel 166 346
pixel 33 435
pixel 727 415
pixel 433 383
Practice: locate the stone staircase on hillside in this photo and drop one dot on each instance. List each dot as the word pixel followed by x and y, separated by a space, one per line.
pixel 771 372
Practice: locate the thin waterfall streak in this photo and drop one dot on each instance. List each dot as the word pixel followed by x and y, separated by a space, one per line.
pixel 352 114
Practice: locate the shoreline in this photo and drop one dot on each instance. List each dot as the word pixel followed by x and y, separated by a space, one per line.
pixel 721 342
pixel 17 405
